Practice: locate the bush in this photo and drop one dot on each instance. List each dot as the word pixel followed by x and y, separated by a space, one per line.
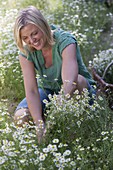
pixel 86 20
pixel 11 4
pixel 101 61
pixel 79 136
pixel 11 78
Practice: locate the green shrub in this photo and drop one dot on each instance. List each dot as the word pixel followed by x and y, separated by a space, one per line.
pixel 11 78
pixel 100 63
pixel 79 136
pixel 86 20
pixel 11 4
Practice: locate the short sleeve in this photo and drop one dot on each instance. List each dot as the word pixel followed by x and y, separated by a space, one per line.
pixel 28 55
pixel 65 40
pixel 22 54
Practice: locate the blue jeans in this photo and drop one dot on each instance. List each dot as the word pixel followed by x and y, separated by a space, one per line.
pixel 92 93
pixel 44 95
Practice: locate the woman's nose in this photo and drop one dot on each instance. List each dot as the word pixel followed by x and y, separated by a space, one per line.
pixel 31 40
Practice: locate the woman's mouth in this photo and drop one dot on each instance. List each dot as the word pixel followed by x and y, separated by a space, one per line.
pixel 36 43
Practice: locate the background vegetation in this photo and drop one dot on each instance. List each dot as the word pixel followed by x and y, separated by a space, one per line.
pixel 83 138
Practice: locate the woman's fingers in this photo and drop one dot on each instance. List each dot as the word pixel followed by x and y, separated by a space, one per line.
pixel 40 130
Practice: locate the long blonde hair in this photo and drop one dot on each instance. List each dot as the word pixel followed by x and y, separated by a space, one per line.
pixel 31 15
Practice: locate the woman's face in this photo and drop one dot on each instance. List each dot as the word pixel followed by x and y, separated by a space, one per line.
pixel 33 36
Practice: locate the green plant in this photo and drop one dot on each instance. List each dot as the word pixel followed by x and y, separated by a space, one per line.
pixel 11 4
pixel 79 136
pixel 100 63
pixel 86 20
pixel 11 77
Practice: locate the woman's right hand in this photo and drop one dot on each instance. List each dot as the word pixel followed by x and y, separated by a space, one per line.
pixel 40 130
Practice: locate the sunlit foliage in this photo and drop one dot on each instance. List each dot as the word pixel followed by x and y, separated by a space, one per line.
pixel 79 136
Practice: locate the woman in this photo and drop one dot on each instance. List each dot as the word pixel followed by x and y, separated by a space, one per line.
pixel 55 54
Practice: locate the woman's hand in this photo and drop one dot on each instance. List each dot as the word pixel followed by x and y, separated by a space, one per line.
pixel 40 130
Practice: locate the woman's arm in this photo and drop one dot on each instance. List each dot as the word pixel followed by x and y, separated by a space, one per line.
pixel 31 89
pixel 69 69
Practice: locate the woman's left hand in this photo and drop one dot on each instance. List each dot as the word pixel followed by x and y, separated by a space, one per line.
pixel 40 130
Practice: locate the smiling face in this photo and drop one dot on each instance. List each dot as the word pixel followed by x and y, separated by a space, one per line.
pixel 33 36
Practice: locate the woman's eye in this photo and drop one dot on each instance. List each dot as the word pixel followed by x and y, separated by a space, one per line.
pixel 25 38
pixel 36 32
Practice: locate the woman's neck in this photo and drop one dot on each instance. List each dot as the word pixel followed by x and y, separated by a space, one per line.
pixel 47 52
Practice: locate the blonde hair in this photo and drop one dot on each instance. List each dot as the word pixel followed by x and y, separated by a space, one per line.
pixel 31 15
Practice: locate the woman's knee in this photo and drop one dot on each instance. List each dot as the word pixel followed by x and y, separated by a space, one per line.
pixel 22 116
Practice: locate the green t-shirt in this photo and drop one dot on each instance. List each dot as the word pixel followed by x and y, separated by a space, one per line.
pixel 50 78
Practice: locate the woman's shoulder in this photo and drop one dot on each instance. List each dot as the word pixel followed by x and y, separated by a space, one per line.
pixel 56 31
pixel 29 54
pixel 59 34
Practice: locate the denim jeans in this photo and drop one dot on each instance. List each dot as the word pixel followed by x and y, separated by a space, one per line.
pixel 43 95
